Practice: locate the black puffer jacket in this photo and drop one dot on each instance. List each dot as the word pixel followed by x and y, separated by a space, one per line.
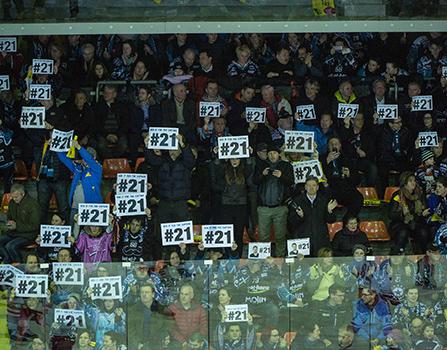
pixel 174 176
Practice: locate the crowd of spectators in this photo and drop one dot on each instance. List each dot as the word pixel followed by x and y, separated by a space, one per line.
pixel 353 302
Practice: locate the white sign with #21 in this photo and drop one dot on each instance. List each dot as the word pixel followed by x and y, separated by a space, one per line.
pixel 387 111
pixel 61 140
pixel 163 138
pixel 209 109
pixel 299 141
pixel 236 313
pixel 71 274
pixel 39 91
pixel 306 112
pixel 421 103
pixel 70 318
pixel 131 183
pixel 175 233
pixel 259 250
pixel 32 118
pixel 130 204
pixel 233 147
pixel 41 66
pixel 55 236
pixel 303 170
pixel 347 110
pixel 428 139
pixel 217 236
pixel 8 44
pixel 27 286
pixel 4 82
pixel 105 288
pixel 298 246
pixel 93 214
pixel 8 274
pixel 255 114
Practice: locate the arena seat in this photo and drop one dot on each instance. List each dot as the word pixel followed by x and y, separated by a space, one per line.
pixel 138 162
pixel 112 166
pixel 388 193
pixel 20 172
pixel 159 264
pixel 375 230
pixel 334 228
pixel 370 196
pixel 289 337
pixel 5 202
pixel 34 171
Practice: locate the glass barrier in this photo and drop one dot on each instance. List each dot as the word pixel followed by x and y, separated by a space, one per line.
pixel 325 303
pixel 217 10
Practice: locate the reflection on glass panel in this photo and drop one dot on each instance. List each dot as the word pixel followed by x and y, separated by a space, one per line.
pixel 318 303
pixel 215 10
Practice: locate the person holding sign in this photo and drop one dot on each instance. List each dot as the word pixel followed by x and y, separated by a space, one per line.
pixel 52 176
pixel 313 97
pixel 94 243
pixel 173 169
pixel 134 243
pixel 309 214
pixel 210 132
pixel 345 94
pixel 87 175
pixel 231 336
pixel 230 182
pixel 22 225
pixel 275 106
pixel 274 178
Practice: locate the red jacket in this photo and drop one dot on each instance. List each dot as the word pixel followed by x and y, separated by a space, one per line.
pixel 188 321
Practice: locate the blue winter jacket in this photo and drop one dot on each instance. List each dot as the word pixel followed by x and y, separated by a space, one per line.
pixel 89 176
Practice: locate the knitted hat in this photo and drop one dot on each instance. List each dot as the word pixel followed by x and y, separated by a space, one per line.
pixel 272 147
pixel 426 155
pixel 261 147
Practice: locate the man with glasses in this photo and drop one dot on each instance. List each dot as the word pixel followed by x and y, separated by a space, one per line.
pixel 332 313
pixel 372 318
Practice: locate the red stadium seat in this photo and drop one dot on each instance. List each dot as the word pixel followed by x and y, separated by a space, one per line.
pixel 112 166
pixel 159 264
pixel 33 171
pixel 388 193
pixel 20 172
pixel 289 336
pixel 5 202
pixel 138 162
pixel 334 228
pixel 375 230
pixel 370 196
